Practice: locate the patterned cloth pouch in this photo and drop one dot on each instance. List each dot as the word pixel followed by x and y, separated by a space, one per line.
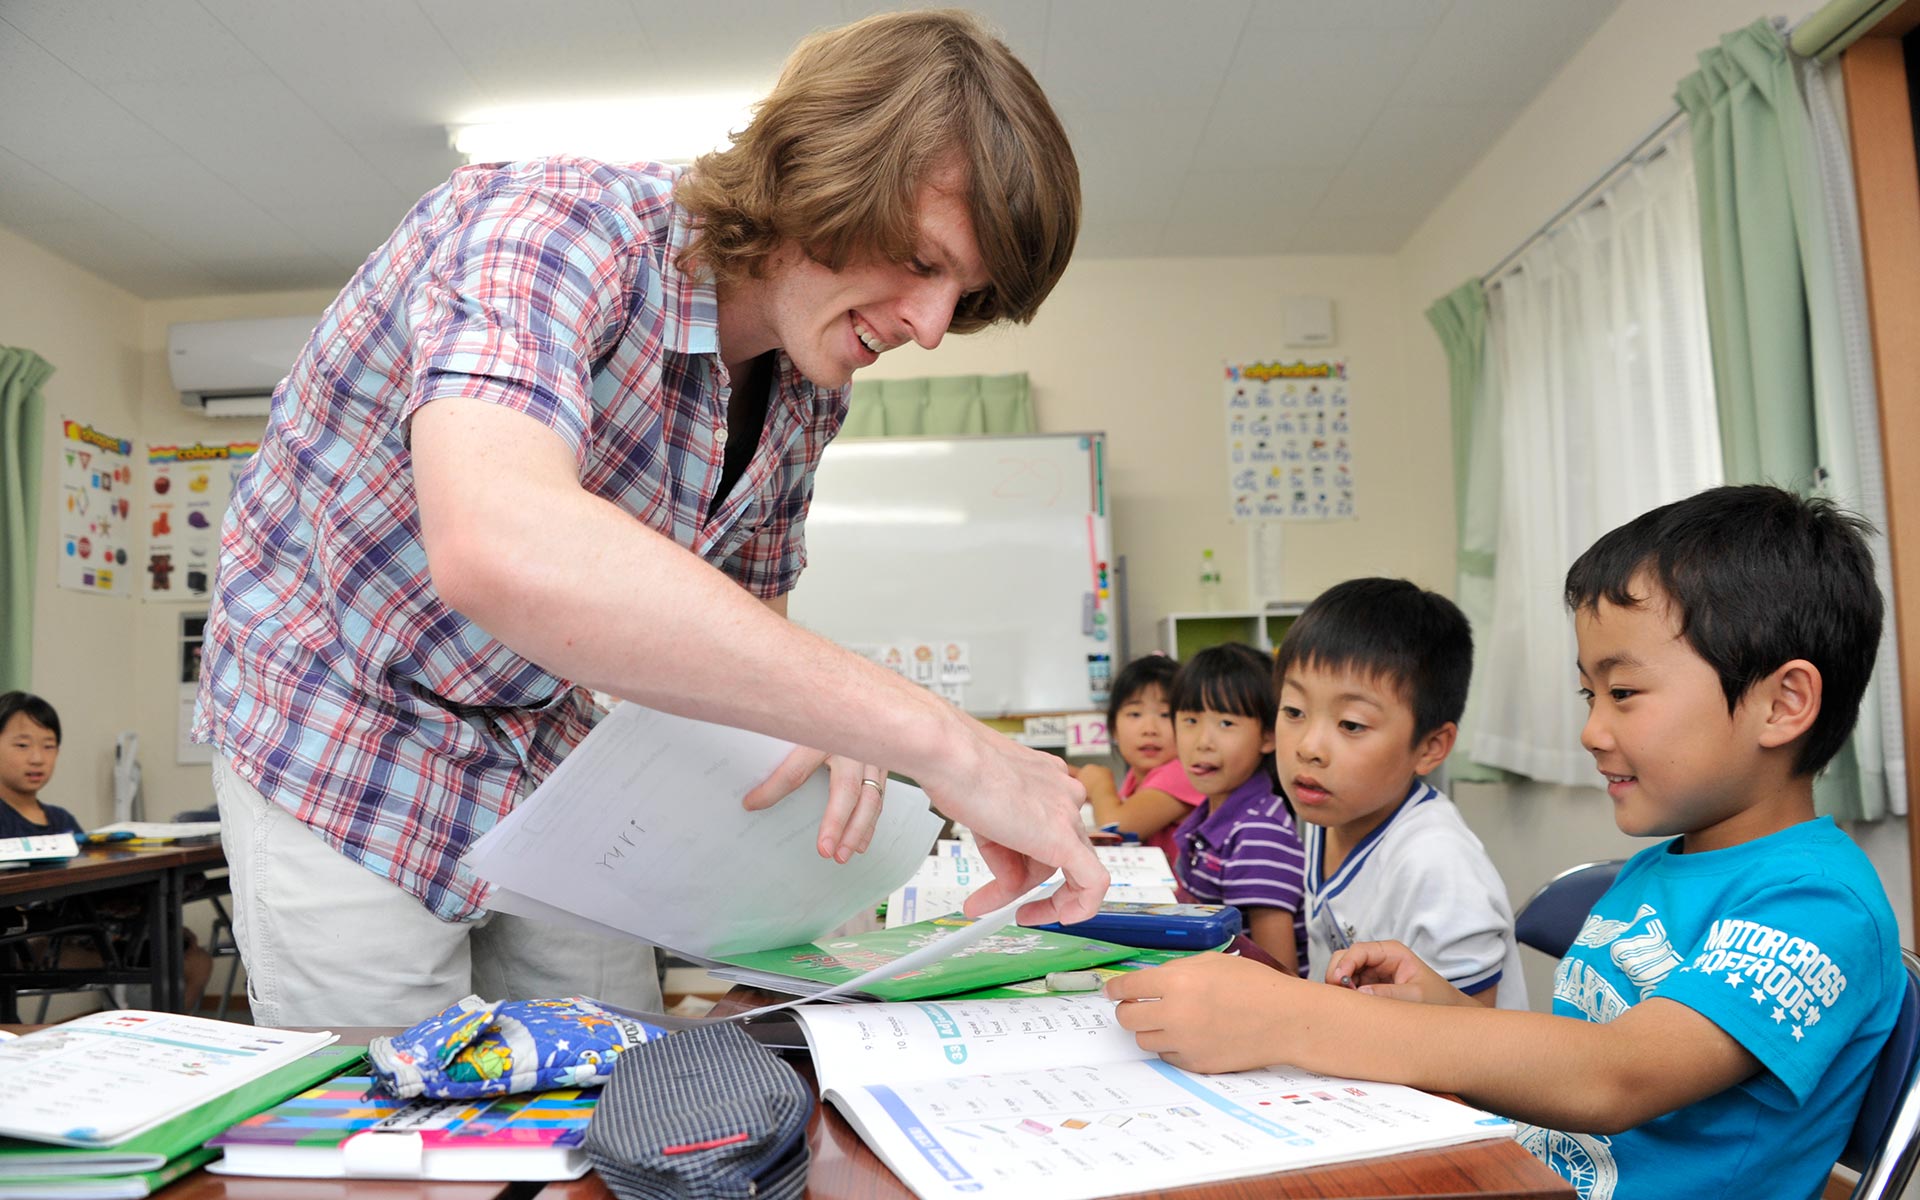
pixel 707 1114
pixel 475 1048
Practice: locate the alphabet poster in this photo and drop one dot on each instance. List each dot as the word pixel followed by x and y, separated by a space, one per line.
pixel 96 511
pixel 186 497
pixel 1289 430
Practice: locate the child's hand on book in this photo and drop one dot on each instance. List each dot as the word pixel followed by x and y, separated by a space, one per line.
pixel 1209 1013
pixel 1390 969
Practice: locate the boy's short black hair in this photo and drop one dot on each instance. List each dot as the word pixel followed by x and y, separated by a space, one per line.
pixel 33 708
pixel 1151 670
pixel 1392 630
pixel 1757 577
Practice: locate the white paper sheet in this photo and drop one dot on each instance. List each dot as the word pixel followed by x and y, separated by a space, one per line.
pixel 640 829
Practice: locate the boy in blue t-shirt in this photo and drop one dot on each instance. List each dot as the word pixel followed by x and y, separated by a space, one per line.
pixel 1720 1014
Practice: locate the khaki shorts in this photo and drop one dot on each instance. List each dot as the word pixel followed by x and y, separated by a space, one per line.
pixel 327 942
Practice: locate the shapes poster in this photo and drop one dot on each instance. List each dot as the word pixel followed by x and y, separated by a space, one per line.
pixel 1289 432
pixel 187 491
pixel 96 511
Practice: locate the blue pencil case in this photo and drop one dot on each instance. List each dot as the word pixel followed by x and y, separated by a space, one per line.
pixel 475 1048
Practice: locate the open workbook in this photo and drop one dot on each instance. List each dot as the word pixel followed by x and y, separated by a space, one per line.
pixel 99 1080
pixel 1049 1096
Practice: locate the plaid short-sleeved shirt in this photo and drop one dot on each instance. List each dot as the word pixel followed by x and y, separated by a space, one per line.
pixel 334 677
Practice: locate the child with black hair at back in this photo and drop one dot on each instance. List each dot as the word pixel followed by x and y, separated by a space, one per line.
pixel 1372 679
pixel 1719 1015
pixel 1241 848
pixel 29 749
pixel 1155 796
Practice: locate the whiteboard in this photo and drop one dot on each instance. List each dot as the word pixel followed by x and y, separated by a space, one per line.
pixel 996 543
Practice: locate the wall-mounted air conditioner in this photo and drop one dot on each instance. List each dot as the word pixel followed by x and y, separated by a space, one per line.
pixel 230 368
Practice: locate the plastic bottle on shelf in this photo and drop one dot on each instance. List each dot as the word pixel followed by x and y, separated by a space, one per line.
pixel 1209 582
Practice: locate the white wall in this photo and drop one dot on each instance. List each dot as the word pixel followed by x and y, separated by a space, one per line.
pixel 170 787
pixel 1613 91
pixel 1134 347
pixel 84 645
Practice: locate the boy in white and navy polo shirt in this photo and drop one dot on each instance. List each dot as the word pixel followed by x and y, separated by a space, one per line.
pixel 1371 680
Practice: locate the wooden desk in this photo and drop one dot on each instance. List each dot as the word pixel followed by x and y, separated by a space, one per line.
pixel 159 872
pixel 845 1169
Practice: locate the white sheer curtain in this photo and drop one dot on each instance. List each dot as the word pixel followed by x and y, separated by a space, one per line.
pixel 1850 420
pixel 1598 342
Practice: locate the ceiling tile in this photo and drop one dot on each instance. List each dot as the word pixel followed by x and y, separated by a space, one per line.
pixel 120 43
pixel 271 272
pixel 1139 55
pixel 123 256
pixel 364 67
pixel 30 196
pixel 1383 16
pixel 1118 239
pixel 1303 96
pixel 256 135
pixel 1413 155
pixel 1134 152
pixel 345 232
pixel 1332 231
pixel 414 164
pixel 1022 24
pixel 47 109
pixel 1495 54
pixel 1221 197
pixel 185 208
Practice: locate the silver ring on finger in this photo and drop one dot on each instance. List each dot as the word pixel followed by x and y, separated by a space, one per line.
pixel 872 783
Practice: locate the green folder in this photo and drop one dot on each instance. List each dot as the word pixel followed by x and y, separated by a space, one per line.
pixel 1011 955
pixel 103 1187
pixel 155 1150
pixel 1137 960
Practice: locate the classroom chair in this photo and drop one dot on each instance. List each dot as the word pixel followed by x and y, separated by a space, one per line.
pixel 222 944
pixel 37 950
pixel 1551 918
pixel 1885 1143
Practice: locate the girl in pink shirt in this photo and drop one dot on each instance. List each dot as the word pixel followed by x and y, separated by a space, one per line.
pixel 1156 795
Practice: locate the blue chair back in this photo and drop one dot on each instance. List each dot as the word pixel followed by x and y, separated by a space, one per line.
pixel 1885 1143
pixel 1552 917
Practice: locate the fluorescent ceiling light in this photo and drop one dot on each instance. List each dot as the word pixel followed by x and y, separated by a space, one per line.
pixel 674 129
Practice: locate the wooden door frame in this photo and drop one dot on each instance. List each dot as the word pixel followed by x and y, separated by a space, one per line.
pixel 1887 179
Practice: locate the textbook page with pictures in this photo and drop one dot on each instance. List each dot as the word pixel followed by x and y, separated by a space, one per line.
pixel 101 1079
pixel 955 870
pixel 1050 1096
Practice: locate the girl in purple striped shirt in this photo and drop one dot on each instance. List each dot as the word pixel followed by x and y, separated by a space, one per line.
pixel 1241 847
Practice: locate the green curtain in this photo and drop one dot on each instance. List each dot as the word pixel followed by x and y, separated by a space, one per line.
pixel 1460 320
pixel 942 407
pixel 1772 307
pixel 21 374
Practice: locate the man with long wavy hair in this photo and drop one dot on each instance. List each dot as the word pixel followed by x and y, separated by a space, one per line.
pixel 559 434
